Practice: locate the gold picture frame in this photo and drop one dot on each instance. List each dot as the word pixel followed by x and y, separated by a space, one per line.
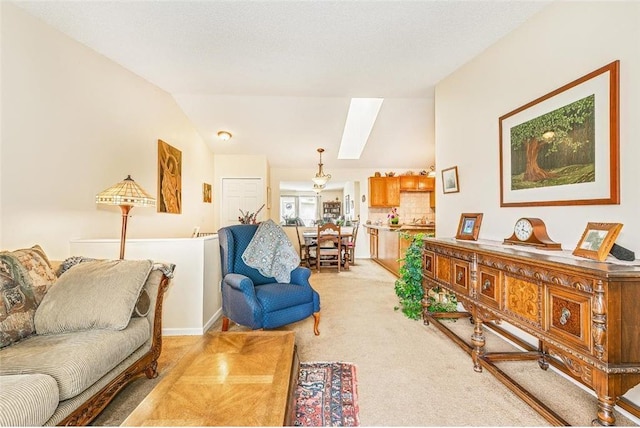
pixel 206 193
pixel 469 226
pixel 597 240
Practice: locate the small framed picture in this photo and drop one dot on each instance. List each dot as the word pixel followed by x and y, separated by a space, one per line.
pixel 268 197
pixel 206 193
pixel 450 180
pixel 597 240
pixel 469 226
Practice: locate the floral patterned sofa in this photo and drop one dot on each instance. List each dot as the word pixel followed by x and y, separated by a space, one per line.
pixel 71 339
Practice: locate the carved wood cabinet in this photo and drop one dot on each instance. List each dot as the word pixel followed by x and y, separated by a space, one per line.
pixel 585 314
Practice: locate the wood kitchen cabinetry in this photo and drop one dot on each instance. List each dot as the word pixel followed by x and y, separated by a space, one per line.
pixel 417 183
pixel 373 242
pixel 583 313
pixel 384 192
pixel 387 245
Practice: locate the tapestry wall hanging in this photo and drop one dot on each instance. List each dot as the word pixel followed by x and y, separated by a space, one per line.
pixel 169 179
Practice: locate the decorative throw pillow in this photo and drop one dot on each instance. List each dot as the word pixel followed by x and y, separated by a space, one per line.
pixel 38 267
pixel 25 277
pixel 94 294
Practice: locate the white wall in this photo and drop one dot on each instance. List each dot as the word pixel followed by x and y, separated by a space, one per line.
pixel 193 301
pixel 562 43
pixel 238 166
pixel 74 123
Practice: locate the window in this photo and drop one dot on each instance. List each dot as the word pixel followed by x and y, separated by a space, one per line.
pixel 303 208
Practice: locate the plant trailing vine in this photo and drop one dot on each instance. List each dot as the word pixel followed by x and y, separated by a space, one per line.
pixel 409 286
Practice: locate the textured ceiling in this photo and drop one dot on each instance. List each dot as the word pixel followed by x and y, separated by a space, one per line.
pixel 279 75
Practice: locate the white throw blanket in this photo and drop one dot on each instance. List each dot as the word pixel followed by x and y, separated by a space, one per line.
pixel 271 252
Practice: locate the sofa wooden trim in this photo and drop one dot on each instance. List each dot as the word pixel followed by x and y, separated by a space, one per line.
pixel 146 365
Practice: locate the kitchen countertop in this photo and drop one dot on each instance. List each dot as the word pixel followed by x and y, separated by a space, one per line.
pixel 402 227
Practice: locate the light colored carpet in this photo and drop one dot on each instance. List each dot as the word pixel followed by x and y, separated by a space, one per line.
pixel 408 374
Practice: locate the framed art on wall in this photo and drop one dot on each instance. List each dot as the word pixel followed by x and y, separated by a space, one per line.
pixel 169 179
pixel 268 197
pixel 469 226
pixel 562 148
pixel 597 240
pixel 206 193
pixel 450 180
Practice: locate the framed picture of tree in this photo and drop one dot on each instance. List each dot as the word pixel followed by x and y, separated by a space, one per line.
pixel 562 148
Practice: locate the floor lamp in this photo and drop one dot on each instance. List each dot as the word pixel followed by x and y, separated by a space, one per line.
pixel 127 194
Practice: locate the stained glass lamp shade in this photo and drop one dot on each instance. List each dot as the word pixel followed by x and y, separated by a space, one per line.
pixel 126 194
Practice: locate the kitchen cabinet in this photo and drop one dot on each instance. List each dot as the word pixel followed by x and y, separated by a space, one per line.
pixel 384 192
pixel 387 245
pixel 417 183
pixel 373 242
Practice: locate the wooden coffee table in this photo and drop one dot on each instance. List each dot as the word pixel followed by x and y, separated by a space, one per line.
pixel 228 379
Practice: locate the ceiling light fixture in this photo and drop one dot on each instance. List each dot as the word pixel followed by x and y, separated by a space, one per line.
pixel 224 135
pixel 318 189
pixel 321 178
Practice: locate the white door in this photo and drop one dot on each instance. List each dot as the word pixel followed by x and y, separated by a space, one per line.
pixel 244 194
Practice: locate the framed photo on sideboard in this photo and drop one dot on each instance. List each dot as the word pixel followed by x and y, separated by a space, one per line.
pixel 469 226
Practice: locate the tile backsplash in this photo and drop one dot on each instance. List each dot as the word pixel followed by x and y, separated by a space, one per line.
pixel 413 205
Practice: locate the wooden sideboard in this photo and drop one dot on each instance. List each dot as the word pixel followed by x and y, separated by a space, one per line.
pixel 584 313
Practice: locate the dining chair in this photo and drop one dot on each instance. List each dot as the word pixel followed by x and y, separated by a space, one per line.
pixel 305 249
pixel 351 244
pixel 329 249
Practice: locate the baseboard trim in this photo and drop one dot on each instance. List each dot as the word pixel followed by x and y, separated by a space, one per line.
pixel 213 319
pixel 193 331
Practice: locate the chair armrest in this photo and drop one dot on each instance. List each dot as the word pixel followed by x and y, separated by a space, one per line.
pixel 240 282
pixel 300 275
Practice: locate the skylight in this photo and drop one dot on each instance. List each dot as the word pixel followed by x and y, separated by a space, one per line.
pixel 360 119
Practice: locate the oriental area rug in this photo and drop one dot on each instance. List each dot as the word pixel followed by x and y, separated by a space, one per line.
pixel 327 395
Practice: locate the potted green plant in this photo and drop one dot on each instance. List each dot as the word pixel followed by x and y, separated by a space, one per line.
pixel 408 287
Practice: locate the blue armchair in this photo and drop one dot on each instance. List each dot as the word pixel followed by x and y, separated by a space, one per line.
pixel 255 301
